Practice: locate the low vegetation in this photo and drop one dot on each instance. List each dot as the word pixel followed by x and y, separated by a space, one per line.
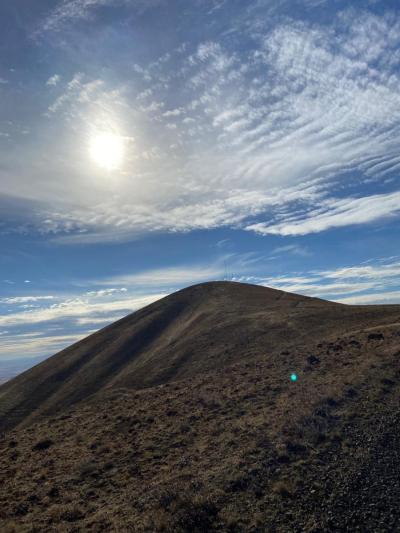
pixel 239 448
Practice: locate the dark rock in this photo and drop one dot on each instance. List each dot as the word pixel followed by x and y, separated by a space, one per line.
pixel 21 509
pixel 355 343
pixel 375 337
pixel 351 393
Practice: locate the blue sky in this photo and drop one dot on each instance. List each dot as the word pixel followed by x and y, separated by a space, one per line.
pixel 146 145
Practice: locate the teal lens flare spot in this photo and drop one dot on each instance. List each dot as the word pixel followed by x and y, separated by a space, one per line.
pixel 293 377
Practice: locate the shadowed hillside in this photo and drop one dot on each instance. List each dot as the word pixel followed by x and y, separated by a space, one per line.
pixel 182 418
pixel 198 329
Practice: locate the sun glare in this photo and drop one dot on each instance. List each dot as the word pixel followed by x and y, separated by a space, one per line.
pixel 107 150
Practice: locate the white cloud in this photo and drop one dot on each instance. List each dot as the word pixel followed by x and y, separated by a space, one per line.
pixel 334 213
pixel 53 81
pixel 263 132
pixel 97 321
pixel 69 10
pixel 323 289
pixel 139 289
pixel 377 281
pixel 96 308
pixel 168 277
pixel 25 299
pixel 372 283
pixel 106 292
pixel 295 249
pixel 31 345
pixel 76 308
pixel 383 298
pixel 172 113
pixel 78 92
pixel 368 272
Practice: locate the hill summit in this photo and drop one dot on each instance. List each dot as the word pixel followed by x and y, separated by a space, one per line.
pixel 198 329
pixel 183 417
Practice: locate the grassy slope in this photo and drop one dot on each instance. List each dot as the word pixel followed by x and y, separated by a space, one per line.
pixel 237 448
pixel 240 449
pixel 198 329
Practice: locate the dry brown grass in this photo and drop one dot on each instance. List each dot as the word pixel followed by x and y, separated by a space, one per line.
pixel 224 450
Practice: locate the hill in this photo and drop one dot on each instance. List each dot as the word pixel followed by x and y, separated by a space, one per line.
pixel 183 417
pixel 198 329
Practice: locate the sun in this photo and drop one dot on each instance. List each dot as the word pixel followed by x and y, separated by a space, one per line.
pixel 107 150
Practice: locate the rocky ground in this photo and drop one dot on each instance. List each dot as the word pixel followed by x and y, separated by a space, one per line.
pixel 239 449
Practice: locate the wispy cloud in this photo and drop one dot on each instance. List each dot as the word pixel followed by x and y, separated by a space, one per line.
pixel 76 308
pixel 25 299
pixel 168 277
pixel 30 346
pixel 378 282
pixel 289 128
pixel 53 81
pixel 68 10
pixel 111 299
pixel 32 331
pixel 383 298
pixel 333 213
pixel 294 249
pixel 106 292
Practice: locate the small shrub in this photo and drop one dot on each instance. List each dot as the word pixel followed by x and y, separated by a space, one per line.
pixel 312 430
pixel 185 514
pixel 43 445
pixel 355 343
pixel 53 492
pixel 375 337
pixel 296 448
pixel 283 488
pixel 337 438
pixel 72 514
pixel 238 484
pixel 87 468
pixel 283 458
pixel 21 509
pixel 331 402
pixel 195 516
pixel 167 498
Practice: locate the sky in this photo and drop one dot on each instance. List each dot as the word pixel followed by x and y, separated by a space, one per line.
pixel 147 145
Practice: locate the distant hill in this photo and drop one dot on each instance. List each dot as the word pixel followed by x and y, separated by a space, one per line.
pixel 222 408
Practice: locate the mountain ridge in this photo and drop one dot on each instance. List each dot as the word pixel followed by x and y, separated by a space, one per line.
pixel 197 329
pixel 204 430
